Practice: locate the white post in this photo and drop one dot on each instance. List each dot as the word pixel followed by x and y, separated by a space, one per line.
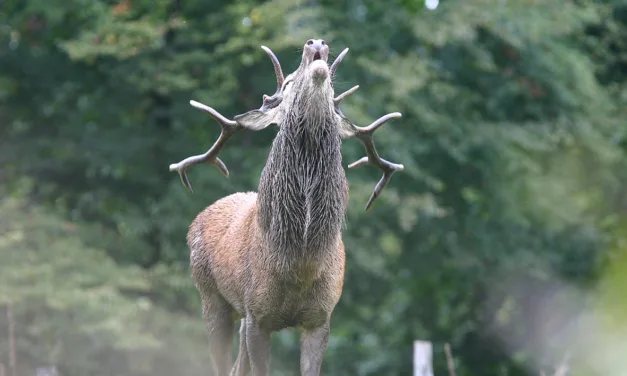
pixel 423 358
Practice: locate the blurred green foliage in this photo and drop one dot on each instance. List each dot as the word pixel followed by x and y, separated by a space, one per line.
pixel 513 137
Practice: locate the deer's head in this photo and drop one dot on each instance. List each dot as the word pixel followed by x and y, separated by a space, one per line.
pixel 308 90
pixel 305 93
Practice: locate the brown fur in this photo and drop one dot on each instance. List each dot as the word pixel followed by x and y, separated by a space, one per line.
pixel 227 258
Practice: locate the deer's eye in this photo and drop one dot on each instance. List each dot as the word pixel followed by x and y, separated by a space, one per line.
pixel 310 42
pixel 323 43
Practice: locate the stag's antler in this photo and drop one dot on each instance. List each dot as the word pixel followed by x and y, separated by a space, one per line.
pixel 229 128
pixel 337 62
pixel 277 67
pixel 365 135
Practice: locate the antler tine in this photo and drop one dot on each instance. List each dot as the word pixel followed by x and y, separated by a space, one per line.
pixel 277 67
pixel 229 128
pixel 337 62
pixel 345 94
pixel 373 158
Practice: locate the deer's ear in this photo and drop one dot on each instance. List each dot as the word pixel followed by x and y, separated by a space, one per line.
pixel 347 129
pixel 256 119
pixel 264 116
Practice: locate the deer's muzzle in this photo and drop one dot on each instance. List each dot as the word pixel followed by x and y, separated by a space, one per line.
pixel 319 71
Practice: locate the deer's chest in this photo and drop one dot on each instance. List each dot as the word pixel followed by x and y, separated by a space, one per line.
pixel 303 191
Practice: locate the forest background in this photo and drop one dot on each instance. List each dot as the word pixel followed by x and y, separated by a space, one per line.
pixel 505 236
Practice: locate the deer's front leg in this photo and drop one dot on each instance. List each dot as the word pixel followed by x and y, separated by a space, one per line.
pixel 313 344
pixel 242 364
pixel 258 344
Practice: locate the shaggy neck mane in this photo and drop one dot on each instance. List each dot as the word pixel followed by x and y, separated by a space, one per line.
pixel 302 197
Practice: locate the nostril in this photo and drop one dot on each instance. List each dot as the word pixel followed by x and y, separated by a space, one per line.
pixel 310 42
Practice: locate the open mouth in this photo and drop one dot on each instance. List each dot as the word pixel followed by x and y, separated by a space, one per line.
pixel 317 56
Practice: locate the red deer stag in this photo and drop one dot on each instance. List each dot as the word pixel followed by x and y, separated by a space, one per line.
pixel 275 259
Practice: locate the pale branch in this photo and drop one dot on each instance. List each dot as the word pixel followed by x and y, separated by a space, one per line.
pixel 450 362
pixel 12 350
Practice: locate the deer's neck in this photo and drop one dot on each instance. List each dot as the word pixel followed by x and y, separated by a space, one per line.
pixel 303 192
